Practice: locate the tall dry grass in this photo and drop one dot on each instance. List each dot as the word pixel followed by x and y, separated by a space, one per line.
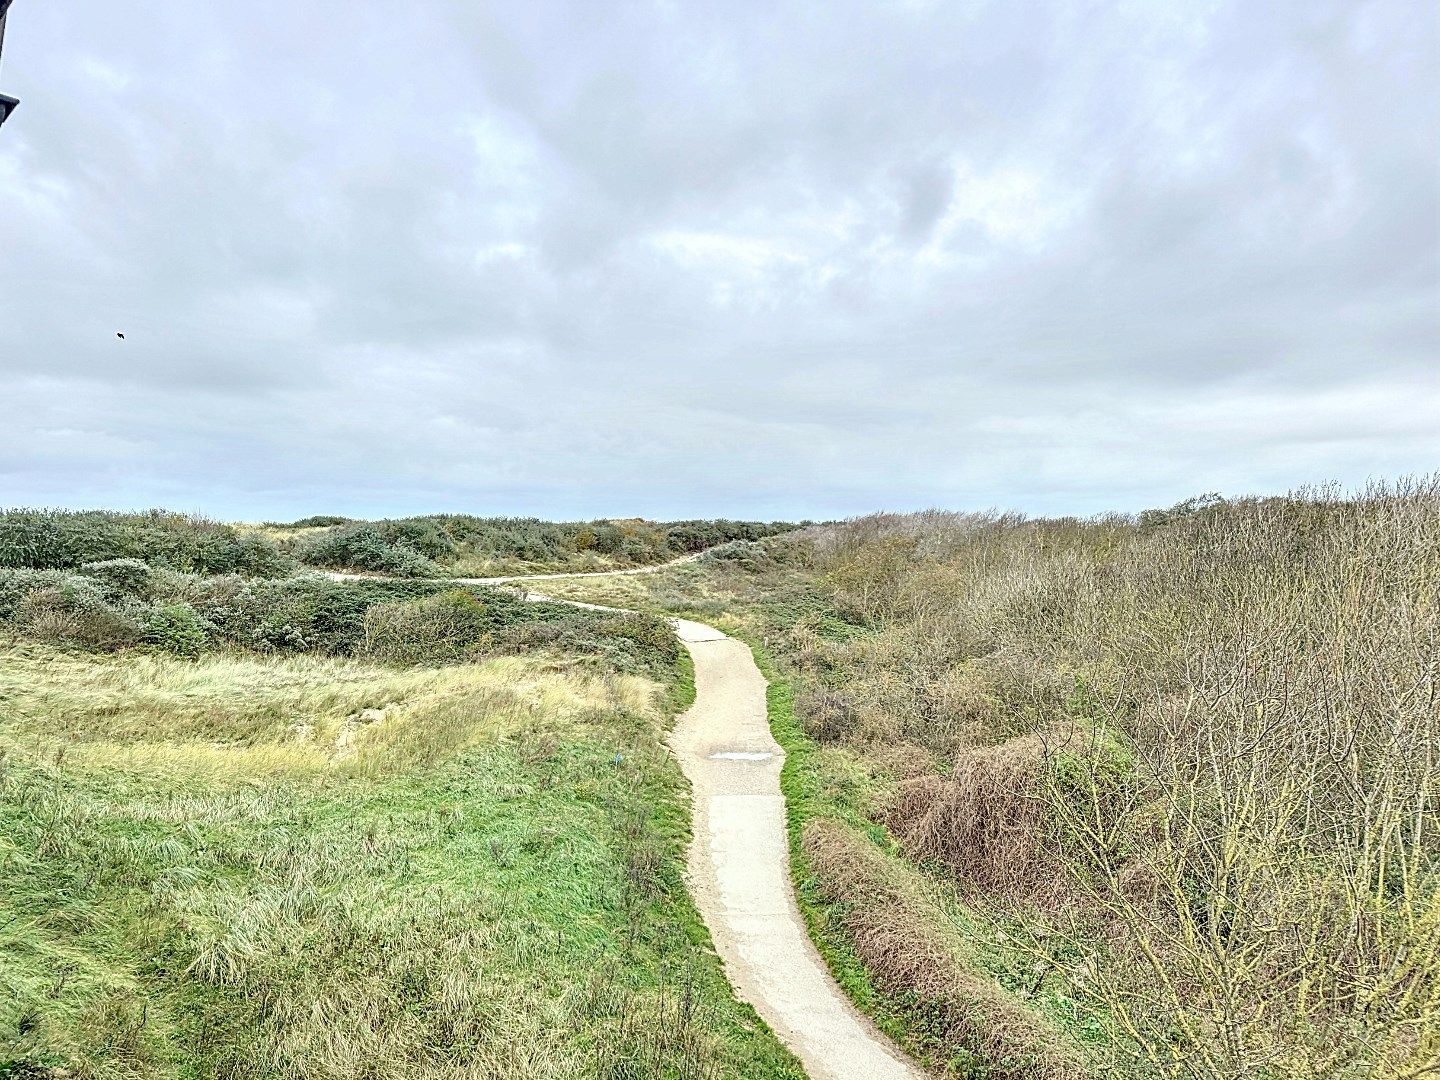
pixel 1215 730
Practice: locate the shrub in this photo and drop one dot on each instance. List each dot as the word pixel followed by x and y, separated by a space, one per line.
pixel 907 944
pixel 74 612
pixel 365 547
pixel 122 577
pixel 827 715
pixel 443 537
pixel 315 521
pixel 66 539
pixel 746 554
pixel 634 643
pixel 16 584
pixel 984 822
pixel 1240 835
pixel 176 628
pixel 437 629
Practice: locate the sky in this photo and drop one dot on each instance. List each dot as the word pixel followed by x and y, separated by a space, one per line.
pixel 669 259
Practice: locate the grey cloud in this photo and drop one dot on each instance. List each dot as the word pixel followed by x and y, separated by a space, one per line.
pixel 798 259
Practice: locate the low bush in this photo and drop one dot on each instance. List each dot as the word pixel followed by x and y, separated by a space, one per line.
pixel 907 945
pixel 436 629
pixel 122 577
pixel 985 823
pixel 17 584
pixel 397 621
pixel 630 643
pixel 827 715
pixel 74 612
pixel 176 628
pixel 68 539
pixel 746 554
pixel 314 521
pixel 447 538
pixel 367 547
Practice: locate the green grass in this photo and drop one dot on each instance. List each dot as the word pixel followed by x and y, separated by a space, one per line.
pixel 823 784
pixel 473 871
pixel 835 784
pixel 809 795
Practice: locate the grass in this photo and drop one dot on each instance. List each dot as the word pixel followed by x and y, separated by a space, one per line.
pixel 830 796
pixel 971 967
pixel 309 867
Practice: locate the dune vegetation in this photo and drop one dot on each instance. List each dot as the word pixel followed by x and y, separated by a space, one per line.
pixel 466 546
pixel 1146 796
pixel 269 825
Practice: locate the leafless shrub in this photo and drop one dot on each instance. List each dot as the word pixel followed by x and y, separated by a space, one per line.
pixel 1250 834
pixel 900 938
pixel 827 715
pixel 985 821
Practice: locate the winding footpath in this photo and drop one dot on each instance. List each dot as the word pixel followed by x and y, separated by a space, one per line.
pixel 740 869
pixel 739 858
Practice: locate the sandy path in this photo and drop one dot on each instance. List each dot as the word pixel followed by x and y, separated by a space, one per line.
pixel 739 859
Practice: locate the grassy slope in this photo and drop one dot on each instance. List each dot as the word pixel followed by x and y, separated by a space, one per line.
pixel 832 791
pixel 229 867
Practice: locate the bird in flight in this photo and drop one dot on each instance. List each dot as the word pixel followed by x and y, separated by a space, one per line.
pixel 119 335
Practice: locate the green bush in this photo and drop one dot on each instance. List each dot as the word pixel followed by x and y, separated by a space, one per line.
pixel 366 547
pixel 746 554
pixel 123 602
pixel 67 539
pixel 16 584
pixel 437 629
pixel 315 521
pixel 73 611
pixel 122 577
pixel 443 537
pixel 635 643
pixel 176 628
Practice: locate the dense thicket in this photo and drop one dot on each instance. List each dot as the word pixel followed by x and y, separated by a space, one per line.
pixel 124 603
pixel 65 539
pixel 421 546
pixel 1195 755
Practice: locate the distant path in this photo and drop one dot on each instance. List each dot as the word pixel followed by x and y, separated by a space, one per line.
pixel 341 575
pixel 739 858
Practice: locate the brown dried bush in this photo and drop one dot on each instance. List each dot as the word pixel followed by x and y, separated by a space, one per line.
pixel 904 942
pixel 827 715
pixel 1249 829
pixel 986 822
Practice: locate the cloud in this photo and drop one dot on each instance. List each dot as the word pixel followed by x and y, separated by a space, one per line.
pixel 801 260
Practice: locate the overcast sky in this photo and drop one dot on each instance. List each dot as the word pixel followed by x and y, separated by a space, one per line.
pixel 687 258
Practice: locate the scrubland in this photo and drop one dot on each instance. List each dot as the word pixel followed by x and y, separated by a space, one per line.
pixel 467 546
pixel 1136 796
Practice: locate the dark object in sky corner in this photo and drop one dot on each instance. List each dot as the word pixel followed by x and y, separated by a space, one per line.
pixel 7 103
pixel 119 335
